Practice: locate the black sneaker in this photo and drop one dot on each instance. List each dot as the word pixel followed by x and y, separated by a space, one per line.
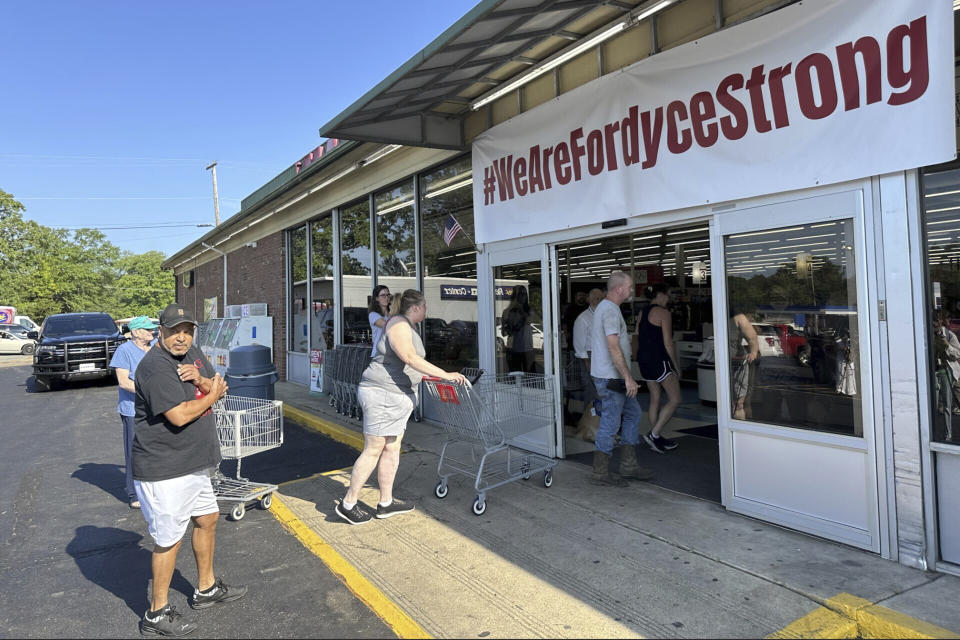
pixel 394 508
pixel 666 443
pixel 659 443
pixel 357 515
pixel 219 592
pixel 170 623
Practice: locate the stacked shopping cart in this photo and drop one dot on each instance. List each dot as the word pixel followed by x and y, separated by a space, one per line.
pixel 482 422
pixel 345 365
pixel 246 426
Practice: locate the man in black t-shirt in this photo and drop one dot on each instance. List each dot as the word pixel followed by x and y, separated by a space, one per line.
pixel 175 444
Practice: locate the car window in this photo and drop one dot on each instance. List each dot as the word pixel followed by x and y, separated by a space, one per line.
pixel 78 325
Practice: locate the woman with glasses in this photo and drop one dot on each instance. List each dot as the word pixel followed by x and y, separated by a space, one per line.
pixel 387 395
pixel 379 312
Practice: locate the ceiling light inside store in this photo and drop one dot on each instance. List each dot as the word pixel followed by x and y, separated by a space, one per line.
pixel 395 207
pixel 449 188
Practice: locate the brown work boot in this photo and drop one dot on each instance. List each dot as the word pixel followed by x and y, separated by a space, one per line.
pixel 601 471
pixel 629 468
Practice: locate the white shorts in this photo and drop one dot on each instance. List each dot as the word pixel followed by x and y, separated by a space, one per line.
pixel 168 505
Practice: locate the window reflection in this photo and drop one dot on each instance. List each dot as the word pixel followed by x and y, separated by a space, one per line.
pixel 321 329
pixel 449 266
pixel 396 246
pixel 518 327
pixel 793 328
pixel 941 219
pixel 356 265
pixel 298 289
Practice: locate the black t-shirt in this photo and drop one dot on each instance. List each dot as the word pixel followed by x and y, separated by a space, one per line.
pixel 162 450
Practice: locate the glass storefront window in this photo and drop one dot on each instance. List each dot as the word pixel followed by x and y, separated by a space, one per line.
pixel 356 268
pixel 321 247
pixel 941 221
pixel 793 330
pixel 297 323
pixel 449 266
pixel 396 242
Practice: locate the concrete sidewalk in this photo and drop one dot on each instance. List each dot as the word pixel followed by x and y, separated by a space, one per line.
pixel 577 560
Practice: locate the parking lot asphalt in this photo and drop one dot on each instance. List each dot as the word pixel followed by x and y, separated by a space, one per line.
pixel 74 558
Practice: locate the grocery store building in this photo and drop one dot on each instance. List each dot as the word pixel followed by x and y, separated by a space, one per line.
pixel 790 161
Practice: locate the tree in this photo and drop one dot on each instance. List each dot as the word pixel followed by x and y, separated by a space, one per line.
pixel 45 271
pixel 141 287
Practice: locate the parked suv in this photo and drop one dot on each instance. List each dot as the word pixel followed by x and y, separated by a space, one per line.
pixel 74 346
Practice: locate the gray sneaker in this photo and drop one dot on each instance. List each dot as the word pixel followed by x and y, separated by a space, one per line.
pixel 170 623
pixel 220 592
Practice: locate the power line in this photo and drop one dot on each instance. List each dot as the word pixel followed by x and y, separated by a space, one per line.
pixel 134 226
pixel 121 198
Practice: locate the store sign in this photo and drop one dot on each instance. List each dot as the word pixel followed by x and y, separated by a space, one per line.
pixel 815 93
pixel 464 292
pixel 316 154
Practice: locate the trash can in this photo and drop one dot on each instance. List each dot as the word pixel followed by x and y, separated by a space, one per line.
pixel 251 373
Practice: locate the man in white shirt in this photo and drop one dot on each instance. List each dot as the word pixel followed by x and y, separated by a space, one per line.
pixel 610 368
pixel 582 327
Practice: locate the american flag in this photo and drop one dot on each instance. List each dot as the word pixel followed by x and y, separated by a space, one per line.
pixel 450 229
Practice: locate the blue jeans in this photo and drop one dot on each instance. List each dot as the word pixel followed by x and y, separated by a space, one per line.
pixel 127 454
pixel 617 413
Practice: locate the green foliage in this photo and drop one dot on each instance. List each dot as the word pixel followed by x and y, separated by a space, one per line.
pixel 45 271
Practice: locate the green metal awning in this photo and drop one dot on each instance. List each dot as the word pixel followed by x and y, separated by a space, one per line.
pixel 423 103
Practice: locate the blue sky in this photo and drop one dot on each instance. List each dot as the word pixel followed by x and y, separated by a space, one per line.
pixel 111 110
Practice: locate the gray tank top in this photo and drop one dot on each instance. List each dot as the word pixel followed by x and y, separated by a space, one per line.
pixel 387 371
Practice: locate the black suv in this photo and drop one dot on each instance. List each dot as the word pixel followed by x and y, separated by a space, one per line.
pixel 74 346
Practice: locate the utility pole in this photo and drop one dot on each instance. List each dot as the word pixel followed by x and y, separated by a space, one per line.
pixel 216 199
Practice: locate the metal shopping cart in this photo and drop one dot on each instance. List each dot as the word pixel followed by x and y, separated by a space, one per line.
pixel 351 360
pixel 246 426
pixel 485 418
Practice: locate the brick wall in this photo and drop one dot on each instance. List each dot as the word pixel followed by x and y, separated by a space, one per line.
pixel 254 274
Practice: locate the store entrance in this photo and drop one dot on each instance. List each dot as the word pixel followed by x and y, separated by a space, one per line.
pixel 679 259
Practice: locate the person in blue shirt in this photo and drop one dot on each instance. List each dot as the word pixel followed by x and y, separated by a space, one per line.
pixel 125 360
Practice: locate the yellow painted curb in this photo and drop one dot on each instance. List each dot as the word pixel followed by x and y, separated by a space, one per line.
pixel 847 616
pixel 820 623
pixel 337 432
pixel 881 622
pixel 398 621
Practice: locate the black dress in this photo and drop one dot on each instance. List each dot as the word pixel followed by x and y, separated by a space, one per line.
pixel 652 357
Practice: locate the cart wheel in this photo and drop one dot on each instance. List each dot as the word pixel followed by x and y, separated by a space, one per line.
pixel 441 490
pixel 267 500
pixel 548 479
pixel 479 507
pixel 238 512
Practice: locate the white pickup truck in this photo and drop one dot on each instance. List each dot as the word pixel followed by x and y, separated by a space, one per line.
pixel 8 315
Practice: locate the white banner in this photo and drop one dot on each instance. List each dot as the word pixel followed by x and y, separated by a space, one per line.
pixel 816 93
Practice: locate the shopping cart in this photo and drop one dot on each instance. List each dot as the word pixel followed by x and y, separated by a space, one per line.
pixel 485 419
pixel 246 426
pixel 351 360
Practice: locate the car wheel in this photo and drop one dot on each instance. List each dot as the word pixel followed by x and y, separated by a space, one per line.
pixel 500 345
pixel 41 384
pixel 27 349
pixel 804 357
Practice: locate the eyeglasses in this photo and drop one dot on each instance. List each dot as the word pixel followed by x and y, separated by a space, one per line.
pixel 385 295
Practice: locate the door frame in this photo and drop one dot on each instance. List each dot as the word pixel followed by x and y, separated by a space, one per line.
pixel 486 325
pixel 770 214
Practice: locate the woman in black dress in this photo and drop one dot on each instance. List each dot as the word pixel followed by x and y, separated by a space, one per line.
pixel 658 364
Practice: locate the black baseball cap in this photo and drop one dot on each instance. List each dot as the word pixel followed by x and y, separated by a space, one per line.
pixel 174 314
